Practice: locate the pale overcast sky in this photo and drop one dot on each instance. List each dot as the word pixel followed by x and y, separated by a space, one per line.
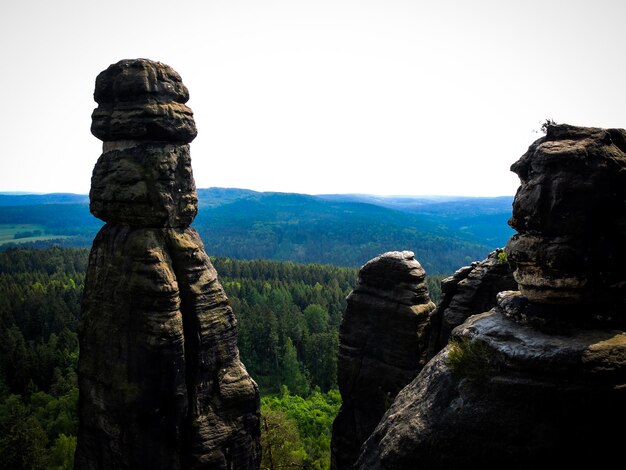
pixel 314 96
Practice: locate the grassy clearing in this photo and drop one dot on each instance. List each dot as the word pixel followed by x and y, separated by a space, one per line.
pixel 31 232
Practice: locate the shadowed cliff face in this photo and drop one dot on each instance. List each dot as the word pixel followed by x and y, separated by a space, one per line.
pixel 161 383
pixel 381 347
pixel 535 381
pixel 469 291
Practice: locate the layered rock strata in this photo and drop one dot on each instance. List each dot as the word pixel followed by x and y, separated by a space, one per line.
pixel 470 290
pixel 570 215
pixel 538 380
pixel 161 383
pixel 381 347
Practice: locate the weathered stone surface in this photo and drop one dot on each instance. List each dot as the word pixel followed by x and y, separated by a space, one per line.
pixel 570 212
pixel 144 185
pixel 536 381
pixel 502 394
pixel 140 99
pixel 161 384
pixel 381 347
pixel 159 361
pixel 469 291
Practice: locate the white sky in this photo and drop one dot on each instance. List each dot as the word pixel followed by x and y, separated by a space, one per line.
pixel 315 96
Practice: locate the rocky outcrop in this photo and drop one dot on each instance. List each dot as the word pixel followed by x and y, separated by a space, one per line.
pixel 161 383
pixel 381 347
pixel 470 290
pixel 503 394
pixel 570 214
pixel 538 380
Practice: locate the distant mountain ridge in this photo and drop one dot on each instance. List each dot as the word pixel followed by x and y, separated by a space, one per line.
pixel 25 199
pixel 483 219
pixel 416 203
pixel 348 230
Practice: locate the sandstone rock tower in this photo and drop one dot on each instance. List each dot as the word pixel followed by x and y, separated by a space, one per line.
pixel 161 383
pixel 570 214
pixel 381 348
pixel 538 380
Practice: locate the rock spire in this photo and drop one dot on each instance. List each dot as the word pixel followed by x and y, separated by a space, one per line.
pixel 161 383
pixel 381 347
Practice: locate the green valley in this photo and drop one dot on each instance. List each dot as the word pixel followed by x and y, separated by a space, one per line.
pixel 342 230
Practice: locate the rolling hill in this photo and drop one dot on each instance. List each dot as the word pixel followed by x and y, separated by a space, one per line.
pixel 344 230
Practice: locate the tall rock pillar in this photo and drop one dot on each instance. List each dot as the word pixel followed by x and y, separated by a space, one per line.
pixel 161 383
pixel 382 347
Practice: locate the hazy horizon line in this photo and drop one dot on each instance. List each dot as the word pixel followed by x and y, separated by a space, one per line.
pixel 406 196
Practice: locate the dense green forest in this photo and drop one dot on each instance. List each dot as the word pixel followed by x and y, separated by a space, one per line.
pixel 40 295
pixel 289 319
pixel 295 430
pixel 342 230
pixel 289 316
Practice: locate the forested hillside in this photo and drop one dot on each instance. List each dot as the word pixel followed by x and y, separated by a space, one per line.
pixel 482 219
pixel 288 316
pixel 340 230
pixel 306 229
pixel 40 295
